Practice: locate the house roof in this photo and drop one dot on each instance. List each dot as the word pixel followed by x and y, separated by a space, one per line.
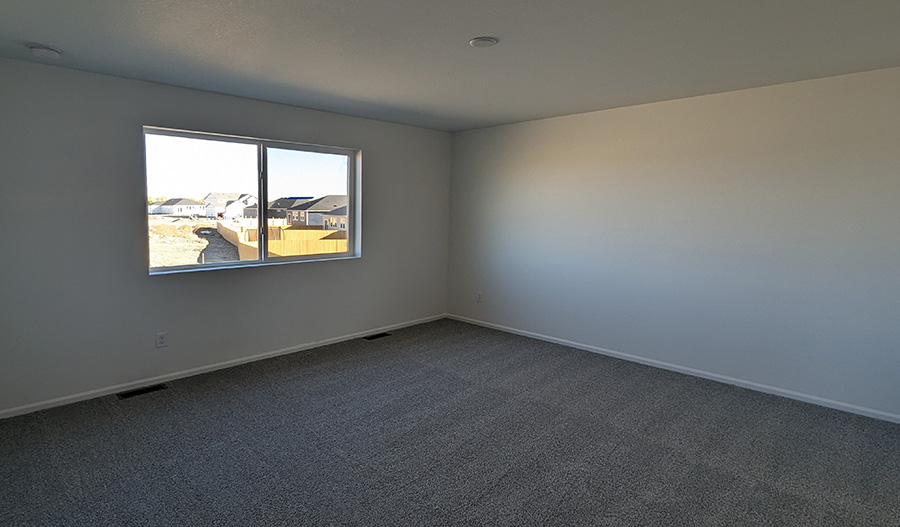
pixel 340 211
pixel 323 204
pixel 242 199
pixel 180 201
pixel 287 203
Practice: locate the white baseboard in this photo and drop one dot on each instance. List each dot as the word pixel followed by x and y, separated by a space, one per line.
pixel 100 392
pixel 791 394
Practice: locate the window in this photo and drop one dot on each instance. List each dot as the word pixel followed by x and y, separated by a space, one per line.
pixel 218 201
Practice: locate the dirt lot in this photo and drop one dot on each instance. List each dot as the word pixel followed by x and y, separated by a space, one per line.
pixel 176 240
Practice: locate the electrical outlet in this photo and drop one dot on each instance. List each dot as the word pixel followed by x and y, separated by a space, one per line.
pixel 162 339
pixel 478 297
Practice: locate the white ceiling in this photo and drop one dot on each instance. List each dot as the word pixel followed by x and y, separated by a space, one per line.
pixel 407 61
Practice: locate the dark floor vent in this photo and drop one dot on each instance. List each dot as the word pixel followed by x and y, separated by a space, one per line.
pixel 377 336
pixel 141 391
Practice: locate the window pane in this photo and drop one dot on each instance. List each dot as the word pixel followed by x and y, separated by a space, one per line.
pixel 202 204
pixel 307 202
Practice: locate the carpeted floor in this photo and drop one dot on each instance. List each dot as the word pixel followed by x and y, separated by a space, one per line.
pixel 448 424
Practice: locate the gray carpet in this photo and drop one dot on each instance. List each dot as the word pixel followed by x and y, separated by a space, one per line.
pixel 448 424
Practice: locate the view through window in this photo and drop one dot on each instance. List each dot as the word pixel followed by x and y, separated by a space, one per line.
pixel 222 201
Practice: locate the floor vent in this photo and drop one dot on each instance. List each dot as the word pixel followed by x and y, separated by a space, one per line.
pixel 377 336
pixel 141 391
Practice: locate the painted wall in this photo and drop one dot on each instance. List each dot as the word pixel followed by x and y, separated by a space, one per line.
pixel 752 234
pixel 78 311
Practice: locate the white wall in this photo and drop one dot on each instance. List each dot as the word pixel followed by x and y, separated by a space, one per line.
pixel 751 234
pixel 78 311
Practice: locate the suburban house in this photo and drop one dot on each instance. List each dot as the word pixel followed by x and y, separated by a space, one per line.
pixel 220 199
pixel 229 205
pixel 278 208
pixel 179 207
pixel 236 208
pixel 336 219
pixel 311 212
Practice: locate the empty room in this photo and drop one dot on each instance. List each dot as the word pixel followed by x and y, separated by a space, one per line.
pixel 452 263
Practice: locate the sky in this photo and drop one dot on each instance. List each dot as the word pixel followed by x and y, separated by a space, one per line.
pixel 181 167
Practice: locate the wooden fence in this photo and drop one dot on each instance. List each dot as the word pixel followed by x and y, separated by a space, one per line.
pixel 285 240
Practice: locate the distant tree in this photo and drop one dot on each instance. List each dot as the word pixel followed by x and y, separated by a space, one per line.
pixel 154 200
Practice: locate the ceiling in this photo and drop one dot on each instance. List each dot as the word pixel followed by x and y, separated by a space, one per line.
pixel 408 61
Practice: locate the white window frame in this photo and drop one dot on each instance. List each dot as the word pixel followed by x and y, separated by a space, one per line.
pixel 354 201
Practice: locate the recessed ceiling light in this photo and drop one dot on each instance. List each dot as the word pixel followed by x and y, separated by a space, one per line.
pixel 483 42
pixel 43 52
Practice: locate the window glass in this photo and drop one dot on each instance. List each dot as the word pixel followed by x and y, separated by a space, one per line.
pixel 217 201
pixel 192 184
pixel 304 187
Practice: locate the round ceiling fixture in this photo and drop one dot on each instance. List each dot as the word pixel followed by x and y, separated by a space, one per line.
pixel 483 42
pixel 43 52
